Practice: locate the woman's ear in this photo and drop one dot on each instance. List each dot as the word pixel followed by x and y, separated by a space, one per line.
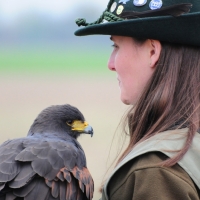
pixel 155 47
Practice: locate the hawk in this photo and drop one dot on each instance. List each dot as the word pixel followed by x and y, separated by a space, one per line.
pixel 49 163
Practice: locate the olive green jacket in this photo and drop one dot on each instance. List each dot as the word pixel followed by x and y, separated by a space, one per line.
pixel 139 177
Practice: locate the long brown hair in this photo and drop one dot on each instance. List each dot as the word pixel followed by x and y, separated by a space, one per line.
pixel 170 100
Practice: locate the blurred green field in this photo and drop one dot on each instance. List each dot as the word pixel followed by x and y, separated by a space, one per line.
pixel 53 61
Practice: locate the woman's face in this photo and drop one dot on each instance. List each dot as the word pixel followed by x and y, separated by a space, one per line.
pixel 132 63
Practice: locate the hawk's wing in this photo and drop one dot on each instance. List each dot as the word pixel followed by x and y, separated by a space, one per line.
pixel 43 168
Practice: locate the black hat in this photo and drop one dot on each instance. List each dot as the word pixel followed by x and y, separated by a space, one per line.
pixel 175 21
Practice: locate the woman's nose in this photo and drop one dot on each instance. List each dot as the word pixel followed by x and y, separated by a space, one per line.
pixel 111 63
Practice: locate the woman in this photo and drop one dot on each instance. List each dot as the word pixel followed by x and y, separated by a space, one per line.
pixel 157 59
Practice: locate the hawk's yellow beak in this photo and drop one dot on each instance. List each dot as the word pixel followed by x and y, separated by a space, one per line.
pixel 82 127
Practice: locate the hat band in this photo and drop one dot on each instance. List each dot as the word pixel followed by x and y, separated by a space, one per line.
pixel 174 10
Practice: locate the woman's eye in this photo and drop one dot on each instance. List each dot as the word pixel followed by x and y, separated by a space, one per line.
pixel 114 46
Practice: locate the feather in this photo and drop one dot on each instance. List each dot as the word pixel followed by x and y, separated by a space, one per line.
pixel 62 190
pixel 80 195
pixel 67 175
pixel 6 157
pixel 25 156
pixel 71 190
pixel 26 173
pixel 40 191
pixel 55 189
pixel 50 197
pixel 9 167
pixel 174 10
pixel 22 192
pixel 9 196
pixel 81 185
pixel 41 145
pixel 83 175
pixel 2 185
pixel 55 160
pixel 60 176
pixel 41 153
pixel 41 167
pixel 52 174
pixel 87 191
pixel 6 177
pixel 49 183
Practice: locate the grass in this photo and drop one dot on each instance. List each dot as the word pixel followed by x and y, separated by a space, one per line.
pixel 53 61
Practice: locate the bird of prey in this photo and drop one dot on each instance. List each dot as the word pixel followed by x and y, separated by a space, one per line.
pixel 49 163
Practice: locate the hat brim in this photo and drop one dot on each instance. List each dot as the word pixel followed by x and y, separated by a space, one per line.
pixel 183 30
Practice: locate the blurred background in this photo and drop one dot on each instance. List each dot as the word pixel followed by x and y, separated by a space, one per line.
pixel 42 63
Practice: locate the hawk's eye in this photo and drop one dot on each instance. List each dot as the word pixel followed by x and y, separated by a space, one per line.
pixel 69 122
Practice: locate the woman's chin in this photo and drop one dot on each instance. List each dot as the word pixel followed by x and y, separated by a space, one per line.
pixel 128 100
pixel 125 100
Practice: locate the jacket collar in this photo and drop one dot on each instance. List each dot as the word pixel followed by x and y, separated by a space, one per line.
pixel 168 142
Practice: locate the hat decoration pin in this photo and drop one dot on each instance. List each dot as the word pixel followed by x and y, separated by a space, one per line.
pixel 174 10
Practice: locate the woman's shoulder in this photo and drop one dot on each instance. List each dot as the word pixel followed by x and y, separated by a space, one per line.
pixel 150 161
pixel 145 173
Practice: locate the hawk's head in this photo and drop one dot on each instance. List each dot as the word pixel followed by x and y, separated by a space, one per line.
pixel 61 119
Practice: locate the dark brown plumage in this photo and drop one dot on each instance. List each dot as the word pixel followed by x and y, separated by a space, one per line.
pixel 48 164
